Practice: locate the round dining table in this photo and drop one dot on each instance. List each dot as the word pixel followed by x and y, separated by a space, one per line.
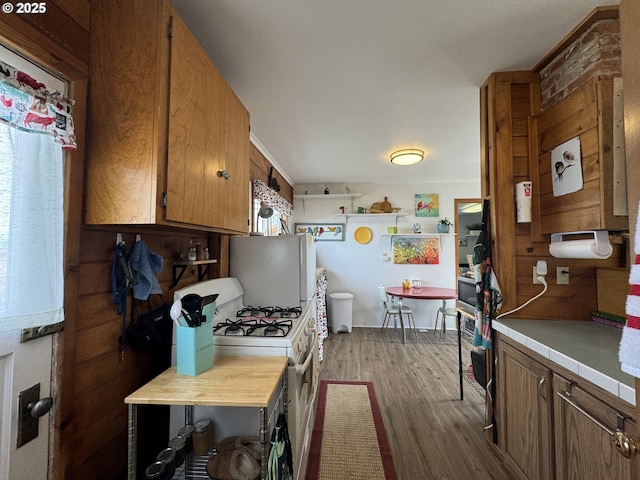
pixel 420 293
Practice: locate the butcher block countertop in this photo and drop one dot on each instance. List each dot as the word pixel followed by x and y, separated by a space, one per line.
pixel 231 382
pixel 587 348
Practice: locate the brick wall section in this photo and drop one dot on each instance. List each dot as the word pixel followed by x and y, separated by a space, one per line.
pixel 595 53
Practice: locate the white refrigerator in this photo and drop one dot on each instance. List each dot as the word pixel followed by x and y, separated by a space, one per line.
pixel 274 271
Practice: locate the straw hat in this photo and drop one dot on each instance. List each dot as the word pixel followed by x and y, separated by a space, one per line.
pixel 237 459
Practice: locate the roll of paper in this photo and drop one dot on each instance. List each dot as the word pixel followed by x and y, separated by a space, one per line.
pixel 580 249
pixel 523 202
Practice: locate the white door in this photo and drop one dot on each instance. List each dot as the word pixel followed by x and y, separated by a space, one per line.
pixel 23 364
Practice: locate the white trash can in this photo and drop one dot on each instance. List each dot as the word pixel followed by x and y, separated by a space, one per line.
pixel 340 312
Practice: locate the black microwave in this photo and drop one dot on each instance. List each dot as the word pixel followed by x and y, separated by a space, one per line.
pixel 467 294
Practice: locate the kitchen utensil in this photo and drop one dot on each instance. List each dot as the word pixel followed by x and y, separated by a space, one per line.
pixel 192 303
pixel 381 207
pixel 176 310
pixel 208 307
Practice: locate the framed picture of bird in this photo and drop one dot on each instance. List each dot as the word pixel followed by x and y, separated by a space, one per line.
pixel 331 232
pixel 566 168
pixel 427 205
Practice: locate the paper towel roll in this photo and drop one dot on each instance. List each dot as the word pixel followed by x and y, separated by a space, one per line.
pixel 523 202
pixel 580 249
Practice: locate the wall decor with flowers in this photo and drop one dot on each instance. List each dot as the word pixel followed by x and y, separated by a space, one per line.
pixel 414 250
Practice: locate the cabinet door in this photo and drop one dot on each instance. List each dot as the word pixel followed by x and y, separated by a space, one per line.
pixel 208 135
pixel 524 413
pixel 126 135
pixel 187 115
pixel 236 206
pixel 583 426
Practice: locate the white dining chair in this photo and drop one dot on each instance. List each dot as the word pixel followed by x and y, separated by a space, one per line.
pixel 444 311
pixel 393 311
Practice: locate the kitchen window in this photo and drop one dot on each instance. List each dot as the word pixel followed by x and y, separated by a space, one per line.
pixel 275 224
pixel 33 125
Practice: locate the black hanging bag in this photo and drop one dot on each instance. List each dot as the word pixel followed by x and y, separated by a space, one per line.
pixel 154 327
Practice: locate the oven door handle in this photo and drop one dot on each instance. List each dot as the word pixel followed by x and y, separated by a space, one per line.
pixel 302 368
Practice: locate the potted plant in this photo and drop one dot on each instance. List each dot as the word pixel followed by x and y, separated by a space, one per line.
pixel 443 225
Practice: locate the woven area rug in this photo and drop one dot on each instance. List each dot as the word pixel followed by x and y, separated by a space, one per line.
pixel 349 441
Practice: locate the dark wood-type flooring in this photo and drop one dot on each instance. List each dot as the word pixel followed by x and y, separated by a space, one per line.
pixel 432 433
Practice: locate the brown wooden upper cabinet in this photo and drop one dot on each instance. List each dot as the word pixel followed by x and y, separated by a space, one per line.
pixel 591 115
pixel 168 139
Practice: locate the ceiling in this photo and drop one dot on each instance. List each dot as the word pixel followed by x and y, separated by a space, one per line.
pixel 334 86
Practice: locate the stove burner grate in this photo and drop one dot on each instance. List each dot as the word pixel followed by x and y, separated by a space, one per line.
pixel 270 312
pixel 254 327
pixel 279 328
pixel 234 327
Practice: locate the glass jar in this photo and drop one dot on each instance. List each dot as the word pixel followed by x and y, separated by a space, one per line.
pixel 155 471
pixel 192 254
pixel 202 437
pixel 178 444
pixel 168 457
pixel 186 432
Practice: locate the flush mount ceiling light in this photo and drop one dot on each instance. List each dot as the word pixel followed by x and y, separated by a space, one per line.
pixel 408 156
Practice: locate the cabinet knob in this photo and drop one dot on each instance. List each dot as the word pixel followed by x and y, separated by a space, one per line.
pixel 224 174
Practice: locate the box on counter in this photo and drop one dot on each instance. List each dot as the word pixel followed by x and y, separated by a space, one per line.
pixel 194 349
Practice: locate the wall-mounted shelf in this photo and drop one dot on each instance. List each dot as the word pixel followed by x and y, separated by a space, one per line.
pixel 374 215
pixel 325 196
pixel 180 267
pixel 434 234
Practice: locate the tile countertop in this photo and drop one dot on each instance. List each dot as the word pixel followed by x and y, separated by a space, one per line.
pixel 587 348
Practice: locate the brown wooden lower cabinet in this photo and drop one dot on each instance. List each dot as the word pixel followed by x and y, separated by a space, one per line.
pixel 584 430
pixel 525 431
pixel 553 424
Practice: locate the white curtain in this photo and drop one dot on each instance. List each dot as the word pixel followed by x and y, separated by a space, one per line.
pixel 31 229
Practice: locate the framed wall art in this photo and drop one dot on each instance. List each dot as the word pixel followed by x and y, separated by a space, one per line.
pixel 416 250
pixel 330 232
pixel 566 168
pixel 427 205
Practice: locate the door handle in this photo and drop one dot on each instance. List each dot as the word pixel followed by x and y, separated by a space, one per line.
pixel 541 390
pixel 41 407
pixel 625 445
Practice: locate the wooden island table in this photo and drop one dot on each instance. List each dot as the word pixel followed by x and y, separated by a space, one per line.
pixel 241 381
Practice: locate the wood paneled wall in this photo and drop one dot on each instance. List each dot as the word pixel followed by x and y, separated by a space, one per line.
pixel 102 380
pixel 510 106
pixel 259 170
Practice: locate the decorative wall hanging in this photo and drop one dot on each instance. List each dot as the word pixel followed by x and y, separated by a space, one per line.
pixel 427 205
pixel 416 251
pixel 333 232
pixel 566 168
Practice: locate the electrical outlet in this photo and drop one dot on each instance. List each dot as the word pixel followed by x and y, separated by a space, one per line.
pixel 562 275
pixel 535 276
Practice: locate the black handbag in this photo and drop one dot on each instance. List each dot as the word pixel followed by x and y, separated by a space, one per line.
pixel 154 327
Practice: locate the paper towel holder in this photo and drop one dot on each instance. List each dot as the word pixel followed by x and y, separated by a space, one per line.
pixel 602 245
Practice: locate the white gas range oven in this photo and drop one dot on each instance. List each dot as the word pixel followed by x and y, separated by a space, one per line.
pixel 258 330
